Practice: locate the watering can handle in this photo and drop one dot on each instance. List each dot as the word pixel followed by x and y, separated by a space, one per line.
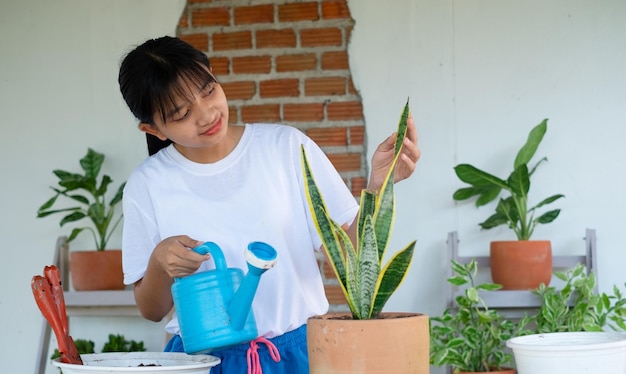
pixel 216 254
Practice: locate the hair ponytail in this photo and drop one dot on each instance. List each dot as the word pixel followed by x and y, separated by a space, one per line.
pixel 155 144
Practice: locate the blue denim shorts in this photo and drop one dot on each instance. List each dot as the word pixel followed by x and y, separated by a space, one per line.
pixel 291 346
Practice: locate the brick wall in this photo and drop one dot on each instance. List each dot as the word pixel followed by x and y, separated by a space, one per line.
pixel 287 62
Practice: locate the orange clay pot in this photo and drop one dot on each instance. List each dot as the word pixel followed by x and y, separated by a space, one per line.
pixel 393 343
pixel 521 264
pixel 96 270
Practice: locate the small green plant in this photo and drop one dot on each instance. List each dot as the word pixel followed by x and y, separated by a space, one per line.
pixel 471 337
pixel 577 306
pixel 92 204
pixel 512 210
pixel 118 343
pixel 366 284
pixel 83 346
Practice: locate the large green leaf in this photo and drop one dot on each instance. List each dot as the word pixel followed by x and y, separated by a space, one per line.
pixel 519 181
pixel 488 195
pixel 77 215
pixel 532 143
pixel 548 217
pixel 91 163
pixel 118 195
pixel 476 177
pixel 549 200
pixel 104 184
pixel 493 221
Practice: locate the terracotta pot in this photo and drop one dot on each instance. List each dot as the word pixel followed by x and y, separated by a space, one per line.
pixel 96 270
pixel 502 371
pixel 394 343
pixel 521 264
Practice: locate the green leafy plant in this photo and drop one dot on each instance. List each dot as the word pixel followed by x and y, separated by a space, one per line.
pixel 366 284
pixel 118 343
pixel 576 306
pixel 83 346
pixel 91 200
pixel 471 337
pixel 512 210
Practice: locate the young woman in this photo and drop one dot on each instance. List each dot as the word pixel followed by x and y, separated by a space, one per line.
pixel 208 180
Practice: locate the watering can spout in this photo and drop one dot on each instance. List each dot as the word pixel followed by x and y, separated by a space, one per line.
pixel 260 257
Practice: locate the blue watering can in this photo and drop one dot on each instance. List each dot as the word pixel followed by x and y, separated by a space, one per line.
pixel 214 307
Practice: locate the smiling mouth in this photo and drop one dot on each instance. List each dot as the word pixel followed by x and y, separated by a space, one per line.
pixel 214 128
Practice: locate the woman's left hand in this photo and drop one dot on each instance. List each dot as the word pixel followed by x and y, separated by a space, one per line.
pixel 383 157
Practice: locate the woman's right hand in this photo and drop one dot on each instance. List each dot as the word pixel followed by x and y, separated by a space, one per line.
pixel 175 257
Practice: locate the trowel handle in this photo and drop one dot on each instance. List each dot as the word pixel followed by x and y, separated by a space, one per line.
pixel 216 254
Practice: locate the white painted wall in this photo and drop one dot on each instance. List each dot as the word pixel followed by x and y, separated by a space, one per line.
pixel 479 73
pixel 58 96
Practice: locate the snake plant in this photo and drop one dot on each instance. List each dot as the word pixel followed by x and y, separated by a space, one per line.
pixel 366 284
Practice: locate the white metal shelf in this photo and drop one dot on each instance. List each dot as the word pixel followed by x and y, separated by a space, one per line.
pixel 514 302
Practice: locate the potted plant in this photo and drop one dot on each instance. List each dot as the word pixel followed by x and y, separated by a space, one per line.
pixel 524 263
pixel 116 343
pixel 89 193
pixel 471 338
pixel 577 306
pixel 571 331
pixel 366 338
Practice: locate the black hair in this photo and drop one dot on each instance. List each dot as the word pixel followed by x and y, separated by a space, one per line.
pixel 156 73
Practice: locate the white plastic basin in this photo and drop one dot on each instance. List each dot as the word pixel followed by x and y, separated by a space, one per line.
pixel 129 362
pixel 570 352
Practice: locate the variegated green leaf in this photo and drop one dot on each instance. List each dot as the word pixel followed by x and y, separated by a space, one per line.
pixel 367 208
pixel 322 222
pixel 402 128
pixel 385 205
pixel 392 276
pixel 351 289
pixel 369 268
pixel 385 213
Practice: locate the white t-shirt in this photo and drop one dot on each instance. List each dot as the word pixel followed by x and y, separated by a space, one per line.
pixel 256 193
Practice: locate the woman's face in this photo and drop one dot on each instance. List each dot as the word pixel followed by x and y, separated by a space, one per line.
pixel 197 124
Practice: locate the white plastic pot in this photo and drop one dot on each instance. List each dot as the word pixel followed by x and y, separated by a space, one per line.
pixel 129 363
pixel 570 352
